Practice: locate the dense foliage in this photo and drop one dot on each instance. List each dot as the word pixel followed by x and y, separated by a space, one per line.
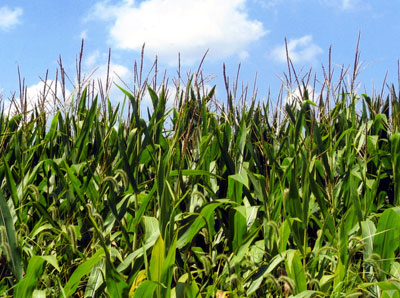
pixel 202 201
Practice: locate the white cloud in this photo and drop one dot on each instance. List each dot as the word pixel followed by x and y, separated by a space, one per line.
pixel 190 27
pixel 9 17
pixel 300 50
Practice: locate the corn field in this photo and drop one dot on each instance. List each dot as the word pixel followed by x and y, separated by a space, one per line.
pixel 205 197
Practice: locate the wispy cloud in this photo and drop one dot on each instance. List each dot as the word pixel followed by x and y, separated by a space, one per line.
pixel 301 50
pixel 9 17
pixel 189 27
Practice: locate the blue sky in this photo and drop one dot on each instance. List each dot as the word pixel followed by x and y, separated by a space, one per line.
pixel 33 34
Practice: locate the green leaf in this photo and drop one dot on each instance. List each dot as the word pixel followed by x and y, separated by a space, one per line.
pixel 240 227
pixel 168 268
pixel 284 233
pixel 145 289
pixel 81 271
pixel 389 285
pixel 340 273
pixel 386 240
pixel 116 286
pixel 368 232
pixel 395 154
pixel 27 285
pixel 188 172
pixel 11 184
pixel 52 260
pixel 241 178
pixel 53 128
pixel 157 260
pixel 395 270
pixel 390 294
pixel 95 279
pixel 244 248
pixel 187 286
pixel 7 221
pixel 143 207
pixel 309 293
pixel 205 216
pixel 39 294
pixel 296 271
pixel 354 195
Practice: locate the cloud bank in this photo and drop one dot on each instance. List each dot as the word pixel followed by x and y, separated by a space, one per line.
pixel 189 27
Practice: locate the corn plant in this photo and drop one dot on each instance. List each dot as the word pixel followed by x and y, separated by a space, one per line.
pixel 207 197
